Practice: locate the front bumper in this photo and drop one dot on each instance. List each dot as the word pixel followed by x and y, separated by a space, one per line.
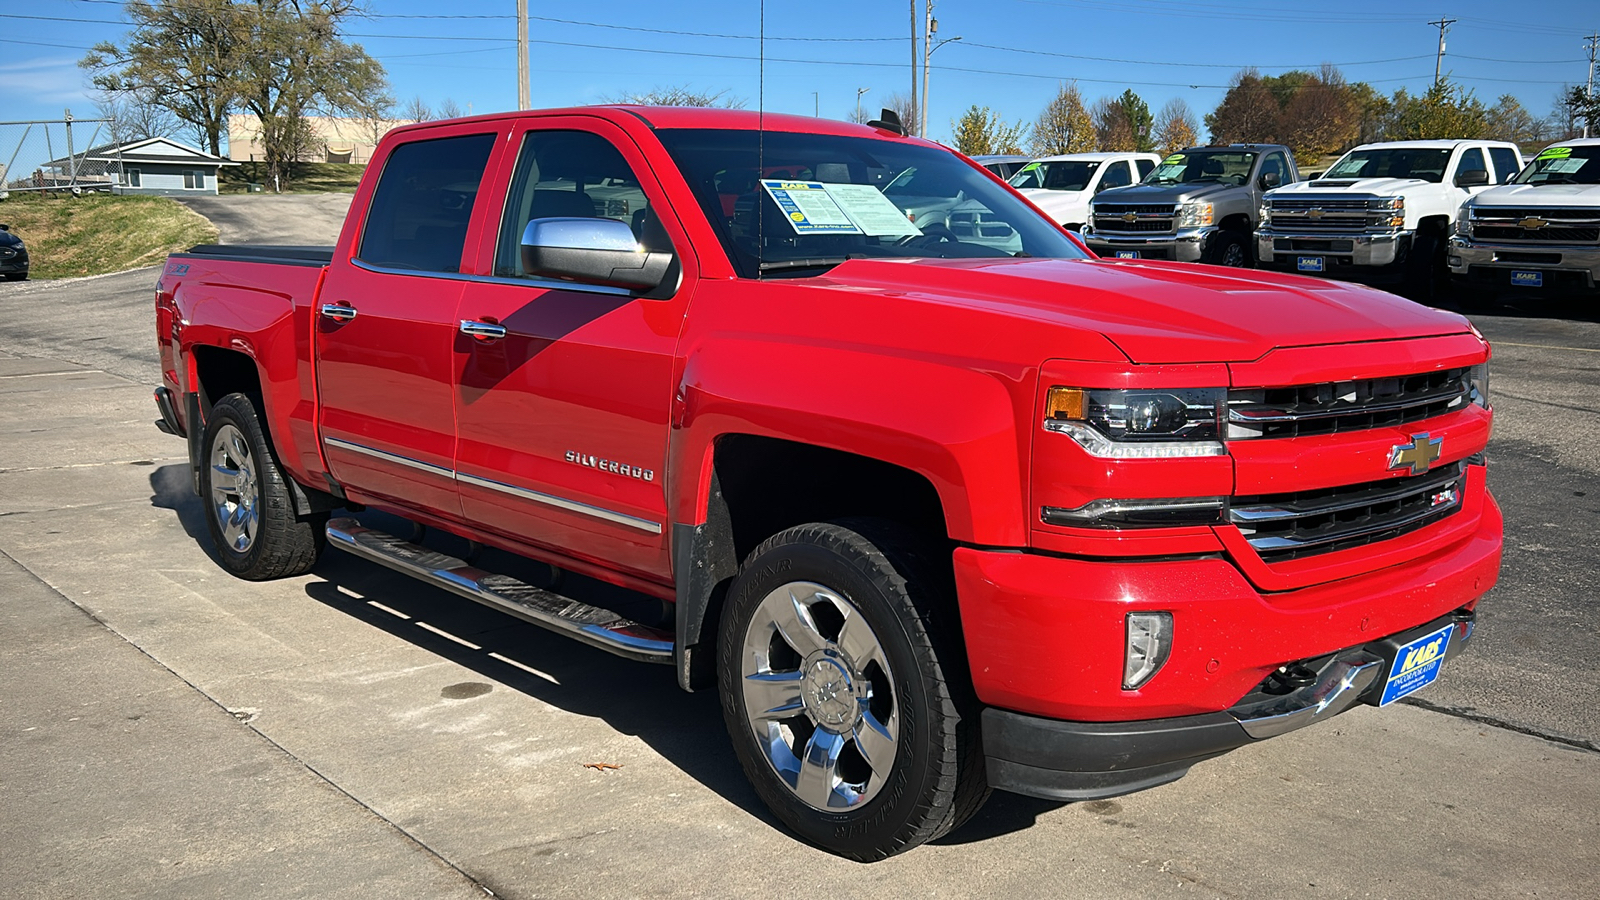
pixel 1184 245
pixel 1046 635
pixel 1091 760
pixel 1282 249
pixel 1490 265
pixel 15 263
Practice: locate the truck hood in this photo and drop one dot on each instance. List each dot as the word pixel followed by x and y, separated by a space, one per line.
pixel 1382 186
pixel 1525 194
pixel 1057 203
pixel 1156 312
pixel 1166 193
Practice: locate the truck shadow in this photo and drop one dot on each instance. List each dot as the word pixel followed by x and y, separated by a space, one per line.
pixel 632 698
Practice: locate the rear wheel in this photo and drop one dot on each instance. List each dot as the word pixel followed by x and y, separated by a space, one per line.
pixel 249 510
pixel 846 699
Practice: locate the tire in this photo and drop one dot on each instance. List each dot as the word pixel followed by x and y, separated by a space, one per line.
pixel 1425 270
pixel 249 510
pixel 15 276
pixel 835 647
pixel 1228 248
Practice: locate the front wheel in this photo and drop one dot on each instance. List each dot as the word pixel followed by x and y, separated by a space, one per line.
pixel 845 693
pixel 249 510
pixel 1228 249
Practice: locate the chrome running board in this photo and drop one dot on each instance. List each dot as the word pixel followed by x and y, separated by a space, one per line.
pixel 592 625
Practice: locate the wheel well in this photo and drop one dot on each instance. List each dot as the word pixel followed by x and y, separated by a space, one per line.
pixel 1237 222
pixel 1438 224
pixel 761 486
pixel 219 373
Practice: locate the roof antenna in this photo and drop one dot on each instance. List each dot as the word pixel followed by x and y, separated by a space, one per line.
pixel 761 136
pixel 888 120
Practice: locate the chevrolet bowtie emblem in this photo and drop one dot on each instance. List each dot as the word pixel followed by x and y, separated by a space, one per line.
pixel 1419 454
pixel 1533 222
pixel 1130 217
pixel 1315 212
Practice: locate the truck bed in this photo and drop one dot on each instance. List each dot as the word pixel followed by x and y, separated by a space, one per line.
pixel 267 253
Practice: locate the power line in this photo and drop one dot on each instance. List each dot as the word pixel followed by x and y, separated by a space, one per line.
pixel 1148 62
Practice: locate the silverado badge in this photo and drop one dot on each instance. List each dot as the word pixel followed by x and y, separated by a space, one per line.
pixel 1533 222
pixel 1419 454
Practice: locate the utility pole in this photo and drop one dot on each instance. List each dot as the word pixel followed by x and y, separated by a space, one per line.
pixel 1438 61
pixel 859 92
pixel 930 28
pixel 1592 41
pixel 816 105
pixel 913 110
pixel 524 89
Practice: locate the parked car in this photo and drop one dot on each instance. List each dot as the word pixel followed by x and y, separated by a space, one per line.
pixel 935 516
pixel 1382 213
pixel 1539 234
pixel 13 255
pixel 1063 185
pixel 1199 205
pixel 1002 164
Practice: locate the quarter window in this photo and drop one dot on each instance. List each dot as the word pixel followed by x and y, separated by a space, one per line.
pixel 423 203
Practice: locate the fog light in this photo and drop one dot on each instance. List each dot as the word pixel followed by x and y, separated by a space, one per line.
pixel 1149 642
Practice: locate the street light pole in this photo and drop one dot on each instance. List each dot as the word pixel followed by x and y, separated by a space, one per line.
pixel 524 89
pixel 859 92
pixel 926 65
pixel 816 105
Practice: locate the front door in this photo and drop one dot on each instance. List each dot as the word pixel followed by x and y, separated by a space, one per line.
pixel 562 423
pixel 385 329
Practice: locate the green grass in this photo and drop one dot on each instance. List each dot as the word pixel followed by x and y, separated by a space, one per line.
pixel 98 233
pixel 306 178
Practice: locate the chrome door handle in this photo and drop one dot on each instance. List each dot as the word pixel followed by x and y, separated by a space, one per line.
pixel 485 330
pixel 335 311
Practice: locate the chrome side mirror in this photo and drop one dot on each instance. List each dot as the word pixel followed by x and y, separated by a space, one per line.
pixel 592 251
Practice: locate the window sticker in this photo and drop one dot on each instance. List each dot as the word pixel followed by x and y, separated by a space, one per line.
pixel 1168 170
pixel 1565 166
pixel 1029 167
pixel 871 211
pixel 1173 160
pixel 809 207
pixel 1555 153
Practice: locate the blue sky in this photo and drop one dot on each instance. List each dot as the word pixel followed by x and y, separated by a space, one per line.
pixel 465 51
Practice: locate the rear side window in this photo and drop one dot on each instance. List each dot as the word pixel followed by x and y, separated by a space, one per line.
pixel 1506 164
pixel 420 210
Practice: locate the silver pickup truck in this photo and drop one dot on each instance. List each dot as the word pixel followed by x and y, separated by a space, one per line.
pixel 1199 205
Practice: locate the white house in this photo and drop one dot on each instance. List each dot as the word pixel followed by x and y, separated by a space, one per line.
pixel 147 166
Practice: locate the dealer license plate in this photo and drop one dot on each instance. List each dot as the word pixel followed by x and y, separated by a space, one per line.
pixel 1308 263
pixel 1127 254
pixel 1416 665
pixel 1527 279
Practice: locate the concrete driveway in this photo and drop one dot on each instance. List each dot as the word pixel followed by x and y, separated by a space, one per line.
pixel 169 731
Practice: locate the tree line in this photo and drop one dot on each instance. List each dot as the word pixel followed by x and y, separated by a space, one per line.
pixel 1315 113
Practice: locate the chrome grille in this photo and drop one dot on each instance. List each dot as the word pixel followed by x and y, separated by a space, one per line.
pixel 1327 214
pixel 1305 523
pixel 1110 218
pixel 1535 225
pixel 1328 203
pixel 1341 406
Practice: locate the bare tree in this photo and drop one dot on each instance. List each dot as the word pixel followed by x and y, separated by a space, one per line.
pixel 903 106
pixel 417 111
pixel 135 116
pixel 1510 121
pixel 450 109
pixel 678 95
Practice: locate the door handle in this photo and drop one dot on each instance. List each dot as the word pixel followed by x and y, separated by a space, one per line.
pixel 486 331
pixel 338 312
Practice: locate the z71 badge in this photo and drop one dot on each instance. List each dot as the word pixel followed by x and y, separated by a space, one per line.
pixel 610 465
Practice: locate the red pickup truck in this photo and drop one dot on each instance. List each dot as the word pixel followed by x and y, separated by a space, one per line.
pixel 937 500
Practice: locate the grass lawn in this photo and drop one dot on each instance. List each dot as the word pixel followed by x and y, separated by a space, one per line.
pixel 98 233
pixel 307 178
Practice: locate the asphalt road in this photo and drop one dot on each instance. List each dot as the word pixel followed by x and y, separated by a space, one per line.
pixel 167 730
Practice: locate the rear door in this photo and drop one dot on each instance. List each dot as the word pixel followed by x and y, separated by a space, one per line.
pixel 563 421
pixel 384 324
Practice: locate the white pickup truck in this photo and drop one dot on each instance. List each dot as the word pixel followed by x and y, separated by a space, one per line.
pixel 1541 233
pixel 1062 186
pixel 1382 213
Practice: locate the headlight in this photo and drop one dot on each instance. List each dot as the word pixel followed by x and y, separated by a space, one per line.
pixel 1263 212
pixel 1463 224
pixel 1478 384
pixel 1194 213
pixel 1139 424
pixel 1394 206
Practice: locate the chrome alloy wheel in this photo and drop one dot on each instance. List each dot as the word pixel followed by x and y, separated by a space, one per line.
pixel 235 494
pixel 1234 256
pixel 819 696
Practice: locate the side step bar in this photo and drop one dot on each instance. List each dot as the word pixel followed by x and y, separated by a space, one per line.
pixel 594 626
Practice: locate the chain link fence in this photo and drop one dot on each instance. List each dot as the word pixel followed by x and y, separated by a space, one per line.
pixel 67 154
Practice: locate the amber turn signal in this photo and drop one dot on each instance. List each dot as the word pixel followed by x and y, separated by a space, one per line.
pixel 1066 403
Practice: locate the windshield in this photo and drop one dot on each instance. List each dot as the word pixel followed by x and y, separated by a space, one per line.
pixel 823 199
pixel 1055 176
pixel 1208 166
pixel 1396 162
pixel 1563 165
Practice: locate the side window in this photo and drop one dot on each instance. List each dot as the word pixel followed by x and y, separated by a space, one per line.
pixel 1117 175
pixel 1471 161
pixel 419 213
pixel 1145 166
pixel 1506 164
pixel 1276 163
pixel 572 174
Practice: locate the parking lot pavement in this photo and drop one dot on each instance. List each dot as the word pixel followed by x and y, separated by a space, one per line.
pixel 366 728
